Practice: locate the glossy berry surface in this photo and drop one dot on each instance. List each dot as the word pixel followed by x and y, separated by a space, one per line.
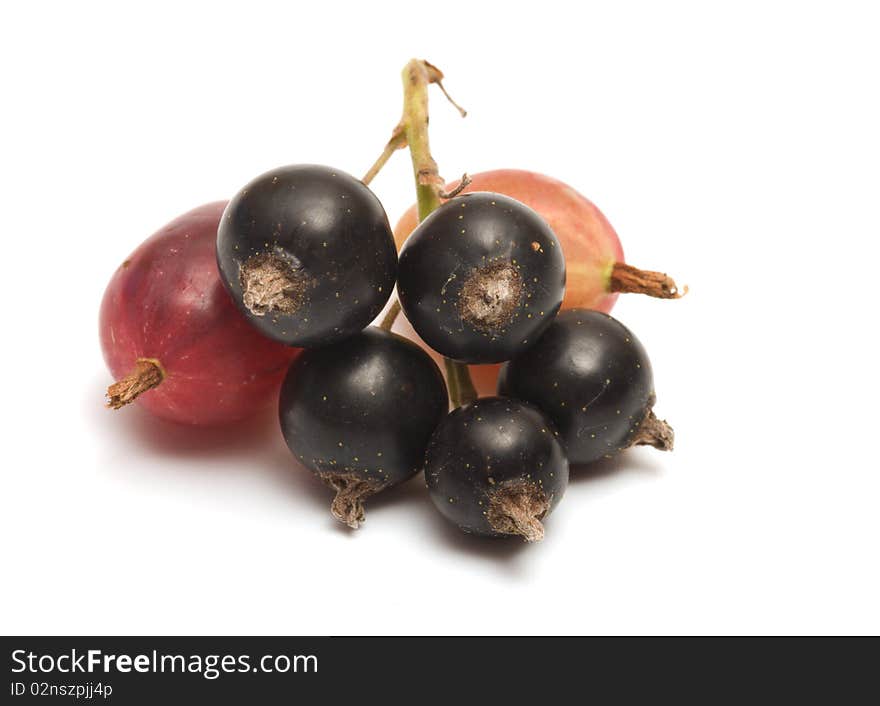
pixel 593 379
pixel 481 278
pixel 495 468
pixel 593 252
pixel 166 313
pixel 307 253
pixel 590 243
pixel 360 413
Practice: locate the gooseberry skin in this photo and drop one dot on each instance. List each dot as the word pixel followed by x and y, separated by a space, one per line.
pixel 483 253
pixel 333 237
pixel 592 377
pixel 166 303
pixel 359 414
pixel 485 448
pixel 590 243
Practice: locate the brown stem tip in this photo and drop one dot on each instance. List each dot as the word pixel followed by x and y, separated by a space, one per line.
pixel 628 279
pixel 463 183
pixel 351 491
pixel 654 432
pixel 517 509
pixel 270 284
pixel 435 75
pixel 147 374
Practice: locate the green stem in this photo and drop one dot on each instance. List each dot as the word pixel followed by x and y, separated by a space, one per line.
pixel 417 76
pixel 461 387
pixel 391 316
pixel 397 142
pixel 452 382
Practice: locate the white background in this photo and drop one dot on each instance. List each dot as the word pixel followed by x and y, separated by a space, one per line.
pixel 735 145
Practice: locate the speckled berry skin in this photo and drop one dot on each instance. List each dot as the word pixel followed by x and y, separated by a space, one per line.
pixel 366 406
pixel 333 233
pixel 589 241
pixel 484 446
pixel 463 237
pixel 592 378
pixel 166 303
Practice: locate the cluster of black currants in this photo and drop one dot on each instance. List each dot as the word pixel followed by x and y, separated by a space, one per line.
pixel 308 255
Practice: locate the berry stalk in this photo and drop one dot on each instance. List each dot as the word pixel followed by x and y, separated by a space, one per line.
pixel 147 374
pixel 417 76
pixel 626 279
pixel 412 130
pixel 389 318
pixel 458 380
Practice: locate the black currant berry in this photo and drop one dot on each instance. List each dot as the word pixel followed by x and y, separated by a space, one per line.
pixel 359 414
pixel 307 254
pixel 591 376
pixel 481 278
pixel 495 467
